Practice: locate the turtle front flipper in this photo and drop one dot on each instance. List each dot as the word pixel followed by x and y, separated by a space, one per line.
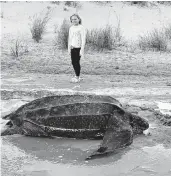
pixel 117 136
pixel 31 128
pixel 11 131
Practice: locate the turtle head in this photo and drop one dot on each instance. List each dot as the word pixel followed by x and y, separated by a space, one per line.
pixel 8 128
pixel 10 125
pixel 138 124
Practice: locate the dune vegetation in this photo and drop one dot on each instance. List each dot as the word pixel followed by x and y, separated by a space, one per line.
pixel 122 37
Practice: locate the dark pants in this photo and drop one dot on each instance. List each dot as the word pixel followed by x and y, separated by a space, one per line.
pixel 75 58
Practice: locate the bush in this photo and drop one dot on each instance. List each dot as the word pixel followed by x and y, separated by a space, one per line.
pixel 104 38
pixel 55 2
pixel 38 26
pixel 155 40
pixel 2 14
pixel 164 2
pixel 18 48
pixel 56 28
pixel 101 3
pixel 140 3
pixel 100 38
pixel 74 4
pixel 62 38
pixel 65 9
pixel 168 31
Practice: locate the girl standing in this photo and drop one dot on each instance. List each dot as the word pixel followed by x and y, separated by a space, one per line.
pixel 76 44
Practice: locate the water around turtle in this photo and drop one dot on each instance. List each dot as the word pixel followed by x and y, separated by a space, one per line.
pixel 148 155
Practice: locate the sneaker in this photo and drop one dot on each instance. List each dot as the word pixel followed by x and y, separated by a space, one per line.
pixel 80 78
pixel 75 80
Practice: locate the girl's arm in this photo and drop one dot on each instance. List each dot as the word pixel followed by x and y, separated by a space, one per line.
pixel 69 41
pixel 83 38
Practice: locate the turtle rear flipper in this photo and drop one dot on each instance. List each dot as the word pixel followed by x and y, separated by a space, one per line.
pixel 117 136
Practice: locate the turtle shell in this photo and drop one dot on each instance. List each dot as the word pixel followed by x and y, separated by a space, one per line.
pixel 72 112
pixel 53 101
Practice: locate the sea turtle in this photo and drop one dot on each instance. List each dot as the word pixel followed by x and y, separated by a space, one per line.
pixel 77 116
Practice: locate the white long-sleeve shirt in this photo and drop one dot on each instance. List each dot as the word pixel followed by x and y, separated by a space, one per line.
pixel 77 37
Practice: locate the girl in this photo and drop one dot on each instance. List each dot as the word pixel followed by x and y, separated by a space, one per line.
pixel 76 44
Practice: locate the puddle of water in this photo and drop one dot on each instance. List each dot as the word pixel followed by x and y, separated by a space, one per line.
pixel 48 157
pixel 18 79
pixel 50 160
pixel 164 108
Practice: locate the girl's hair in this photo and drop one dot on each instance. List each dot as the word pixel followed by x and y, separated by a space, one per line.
pixel 80 20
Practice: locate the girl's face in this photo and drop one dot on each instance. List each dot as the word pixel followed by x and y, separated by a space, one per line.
pixel 74 20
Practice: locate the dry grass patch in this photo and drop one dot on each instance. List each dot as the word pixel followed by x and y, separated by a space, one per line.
pixel 155 40
pixel 61 40
pixel 104 38
pixel 74 4
pixel 55 2
pixel 18 48
pixel 38 25
pixel 168 31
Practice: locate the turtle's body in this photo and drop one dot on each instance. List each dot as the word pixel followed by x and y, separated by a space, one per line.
pixel 78 116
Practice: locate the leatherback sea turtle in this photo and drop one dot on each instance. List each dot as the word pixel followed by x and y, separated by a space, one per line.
pixel 77 116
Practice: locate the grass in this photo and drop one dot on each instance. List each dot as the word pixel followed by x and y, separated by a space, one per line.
pixel 16 48
pixel 155 40
pixel 94 63
pixel 38 26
